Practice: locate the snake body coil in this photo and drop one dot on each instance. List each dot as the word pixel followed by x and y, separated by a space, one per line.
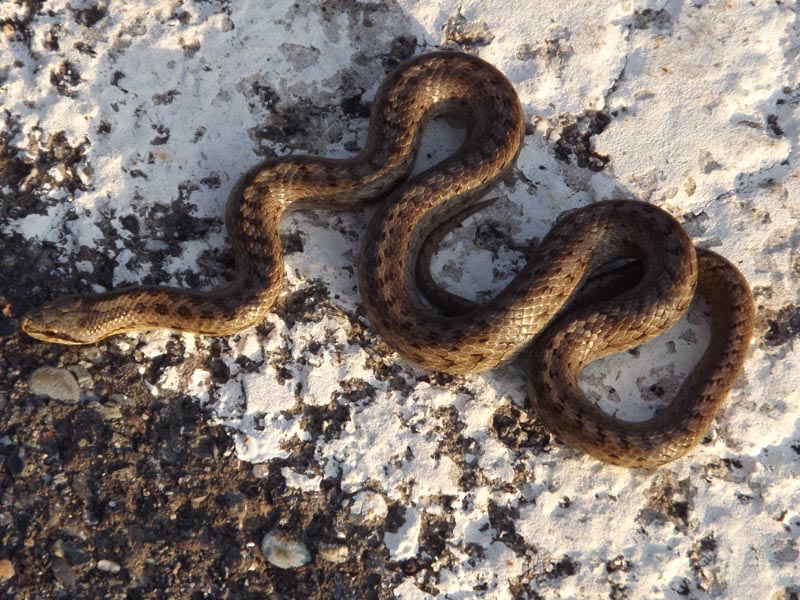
pixel 438 330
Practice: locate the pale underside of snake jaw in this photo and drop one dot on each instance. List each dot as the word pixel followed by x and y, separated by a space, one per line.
pixel 436 329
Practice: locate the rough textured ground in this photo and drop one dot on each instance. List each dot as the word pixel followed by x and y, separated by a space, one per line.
pixel 153 466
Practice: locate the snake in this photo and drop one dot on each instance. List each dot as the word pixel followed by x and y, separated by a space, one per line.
pixel 543 313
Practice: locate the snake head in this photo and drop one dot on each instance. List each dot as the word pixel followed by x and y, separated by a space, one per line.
pixel 61 322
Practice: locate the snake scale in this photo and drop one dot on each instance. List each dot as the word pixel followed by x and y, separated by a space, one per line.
pixel 541 311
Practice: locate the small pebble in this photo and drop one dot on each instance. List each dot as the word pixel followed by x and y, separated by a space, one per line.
pixel 369 507
pixel 108 566
pixel 92 354
pixel 334 553
pixel 57 383
pixel 70 552
pixel 63 572
pixel 6 569
pixel 81 373
pixel 261 470
pixel 109 412
pixel 119 399
pixel 283 552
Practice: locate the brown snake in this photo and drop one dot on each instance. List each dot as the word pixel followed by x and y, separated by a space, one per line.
pixel 535 310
